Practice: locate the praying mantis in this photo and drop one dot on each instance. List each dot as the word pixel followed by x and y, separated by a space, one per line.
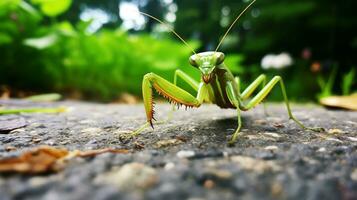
pixel 217 86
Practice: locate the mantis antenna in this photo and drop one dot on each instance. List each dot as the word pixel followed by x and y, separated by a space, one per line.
pixel 169 27
pixel 230 27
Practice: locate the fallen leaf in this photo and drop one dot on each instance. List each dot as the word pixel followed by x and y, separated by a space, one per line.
pixel 46 159
pixel 40 160
pixel 346 102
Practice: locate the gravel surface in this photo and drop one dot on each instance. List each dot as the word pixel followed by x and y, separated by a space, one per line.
pixel 186 157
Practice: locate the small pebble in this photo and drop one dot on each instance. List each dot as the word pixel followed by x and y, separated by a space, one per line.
pixel 271 134
pixel 334 139
pixel 167 143
pixel 130 176
pixel 278 125
pixel 256 165
pixel 208 184
pixel 260 122
pixel 322 149
pixel 353 139
pixel 252 137
pixel 139 145
pixel 276 189
pixel 92 131
pixel 38 181
pixel 354 174
pixel 10 148
pixel 185 154
pixel 36 140
pixel 335 131
pixel 225 154
pixel 271 148
pixel 169 166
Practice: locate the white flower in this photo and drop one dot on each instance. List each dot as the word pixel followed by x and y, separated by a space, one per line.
pixel 276 61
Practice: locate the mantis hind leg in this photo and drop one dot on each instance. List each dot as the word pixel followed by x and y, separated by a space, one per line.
pixel 265 91
pixel 261 80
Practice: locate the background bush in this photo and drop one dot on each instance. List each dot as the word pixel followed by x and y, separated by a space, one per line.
pixel 46 47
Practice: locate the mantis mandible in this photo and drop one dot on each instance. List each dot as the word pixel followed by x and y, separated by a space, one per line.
pixel 217 85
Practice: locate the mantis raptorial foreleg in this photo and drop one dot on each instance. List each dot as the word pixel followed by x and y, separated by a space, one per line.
pixel 168 90
pixel 171 92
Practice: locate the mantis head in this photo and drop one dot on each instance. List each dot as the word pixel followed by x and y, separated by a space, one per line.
pixel 207 62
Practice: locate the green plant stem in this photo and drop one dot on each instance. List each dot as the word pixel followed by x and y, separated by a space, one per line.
pixel 32 110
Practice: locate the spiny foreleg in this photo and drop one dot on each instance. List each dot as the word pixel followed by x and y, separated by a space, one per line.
pixel 171 92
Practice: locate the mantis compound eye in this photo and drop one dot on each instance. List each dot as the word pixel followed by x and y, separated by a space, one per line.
pixel 220 58
pixel 193 62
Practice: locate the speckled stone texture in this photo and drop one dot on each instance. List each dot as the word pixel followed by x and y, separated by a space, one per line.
pixel 186 157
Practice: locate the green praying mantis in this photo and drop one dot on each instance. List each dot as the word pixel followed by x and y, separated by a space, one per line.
pixel 217 85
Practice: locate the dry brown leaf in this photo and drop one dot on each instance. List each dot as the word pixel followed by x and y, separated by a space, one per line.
pixel 346 102
pixel 40 160
pixel 46 159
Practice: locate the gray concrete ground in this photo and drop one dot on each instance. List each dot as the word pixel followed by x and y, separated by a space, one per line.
pixel 187 157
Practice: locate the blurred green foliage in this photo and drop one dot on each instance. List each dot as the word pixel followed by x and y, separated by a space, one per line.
pixel 45 47
pixel 65 58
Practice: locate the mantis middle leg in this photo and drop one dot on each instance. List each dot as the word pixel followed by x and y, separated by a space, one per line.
pixel 234 99
pixel 186 78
